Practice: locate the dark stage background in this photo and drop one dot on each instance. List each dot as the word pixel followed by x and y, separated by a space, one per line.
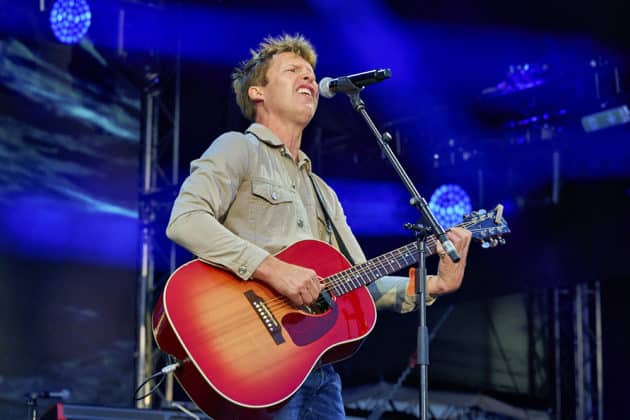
pixel 484 95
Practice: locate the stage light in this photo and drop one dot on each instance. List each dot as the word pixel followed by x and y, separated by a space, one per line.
pixel 450 203
pixel 607 118
pixel 70 20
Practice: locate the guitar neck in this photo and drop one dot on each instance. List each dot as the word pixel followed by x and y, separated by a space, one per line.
pixel 365 273
pixel 488 228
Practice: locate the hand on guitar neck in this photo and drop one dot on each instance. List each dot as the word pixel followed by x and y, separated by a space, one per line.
pixel 450 274
pixel 301 285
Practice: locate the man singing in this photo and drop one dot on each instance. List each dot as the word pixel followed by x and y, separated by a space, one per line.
pixel 252 194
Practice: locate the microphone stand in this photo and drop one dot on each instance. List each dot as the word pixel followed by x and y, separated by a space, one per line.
pixel 31 402
pixel 383 139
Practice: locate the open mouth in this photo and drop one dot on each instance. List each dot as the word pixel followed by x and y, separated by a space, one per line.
pixel 305 91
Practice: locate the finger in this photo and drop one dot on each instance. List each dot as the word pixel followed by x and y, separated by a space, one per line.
pixel 308 297
pixel 308 292
pixel 460 237
pixel 440 249
pixel 315 288
pixel 454 235
pixel 297 299
pixel 303 299
pixel 465 236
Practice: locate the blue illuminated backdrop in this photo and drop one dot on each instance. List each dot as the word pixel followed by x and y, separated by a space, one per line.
pixel 69 141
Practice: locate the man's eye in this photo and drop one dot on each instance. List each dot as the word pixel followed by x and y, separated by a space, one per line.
pixel 292 69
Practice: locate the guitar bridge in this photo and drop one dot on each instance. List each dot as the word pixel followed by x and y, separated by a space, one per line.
pixel 266 316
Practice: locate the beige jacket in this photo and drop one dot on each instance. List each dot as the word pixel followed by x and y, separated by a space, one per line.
pixel 246 198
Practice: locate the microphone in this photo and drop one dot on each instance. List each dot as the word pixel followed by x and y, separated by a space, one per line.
pixel 348 84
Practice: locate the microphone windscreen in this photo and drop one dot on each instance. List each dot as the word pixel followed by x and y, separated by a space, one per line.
pixel 324 88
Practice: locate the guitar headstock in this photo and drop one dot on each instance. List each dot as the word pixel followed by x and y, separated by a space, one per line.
pixel 489 227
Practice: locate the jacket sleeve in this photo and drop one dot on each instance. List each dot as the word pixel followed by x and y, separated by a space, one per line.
pixel 204 199
pixel 392 293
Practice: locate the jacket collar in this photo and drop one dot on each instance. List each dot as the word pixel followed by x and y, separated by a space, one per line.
pixel 266 136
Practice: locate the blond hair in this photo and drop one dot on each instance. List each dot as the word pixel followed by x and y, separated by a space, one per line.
pixel 253 72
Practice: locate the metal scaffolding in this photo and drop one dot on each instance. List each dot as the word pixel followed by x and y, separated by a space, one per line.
pixel 160 141
pixel 578 361
pixel 539 326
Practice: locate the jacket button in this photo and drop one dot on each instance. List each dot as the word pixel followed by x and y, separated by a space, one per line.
pixel 274 195
pixel 300 223
pixel 242 270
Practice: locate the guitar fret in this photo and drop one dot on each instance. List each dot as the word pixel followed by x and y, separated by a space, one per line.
pixel 356 276
pixel 334 280
pixel 390 264
pixel 344 285
pixel 351 285
pixel 378 269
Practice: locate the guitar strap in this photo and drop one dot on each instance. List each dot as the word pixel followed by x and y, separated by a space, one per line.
pixel 330 226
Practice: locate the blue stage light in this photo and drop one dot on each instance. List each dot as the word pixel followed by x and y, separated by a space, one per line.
pixel 70 20
pixel 450 203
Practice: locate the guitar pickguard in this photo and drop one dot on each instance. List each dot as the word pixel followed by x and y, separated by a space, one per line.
pixel 305 328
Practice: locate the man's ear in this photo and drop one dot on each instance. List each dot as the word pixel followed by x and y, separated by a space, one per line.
pixel 255 93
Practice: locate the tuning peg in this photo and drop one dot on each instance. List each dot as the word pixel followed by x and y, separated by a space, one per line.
pixel 485 244
pixel 501 240
pixel 494 242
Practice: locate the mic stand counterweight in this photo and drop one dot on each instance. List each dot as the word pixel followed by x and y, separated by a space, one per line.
pixel 421 232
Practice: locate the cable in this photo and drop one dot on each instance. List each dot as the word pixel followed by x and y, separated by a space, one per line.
pixel 162 373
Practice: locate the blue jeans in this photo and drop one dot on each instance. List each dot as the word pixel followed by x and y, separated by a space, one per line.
pixel 318 398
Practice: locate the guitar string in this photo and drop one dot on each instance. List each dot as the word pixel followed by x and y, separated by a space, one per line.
pixel 361 269
pixel 341 278
pixel 346 278
pixel 280 302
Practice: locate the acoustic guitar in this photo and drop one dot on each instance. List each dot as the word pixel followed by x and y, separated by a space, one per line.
pixel 244 349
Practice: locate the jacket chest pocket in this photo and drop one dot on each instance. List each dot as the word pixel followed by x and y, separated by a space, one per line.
pixel 271 193
pixel 271 212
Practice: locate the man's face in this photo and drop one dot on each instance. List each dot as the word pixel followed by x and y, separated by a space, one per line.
pixel 291 92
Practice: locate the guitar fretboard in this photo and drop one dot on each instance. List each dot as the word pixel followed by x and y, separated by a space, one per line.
pixel 371 270
pixel 483 227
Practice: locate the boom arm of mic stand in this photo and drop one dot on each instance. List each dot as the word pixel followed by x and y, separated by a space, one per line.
pixel 417 201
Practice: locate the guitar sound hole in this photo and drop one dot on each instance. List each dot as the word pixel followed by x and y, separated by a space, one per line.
pixel 321 305
pixel 316 308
